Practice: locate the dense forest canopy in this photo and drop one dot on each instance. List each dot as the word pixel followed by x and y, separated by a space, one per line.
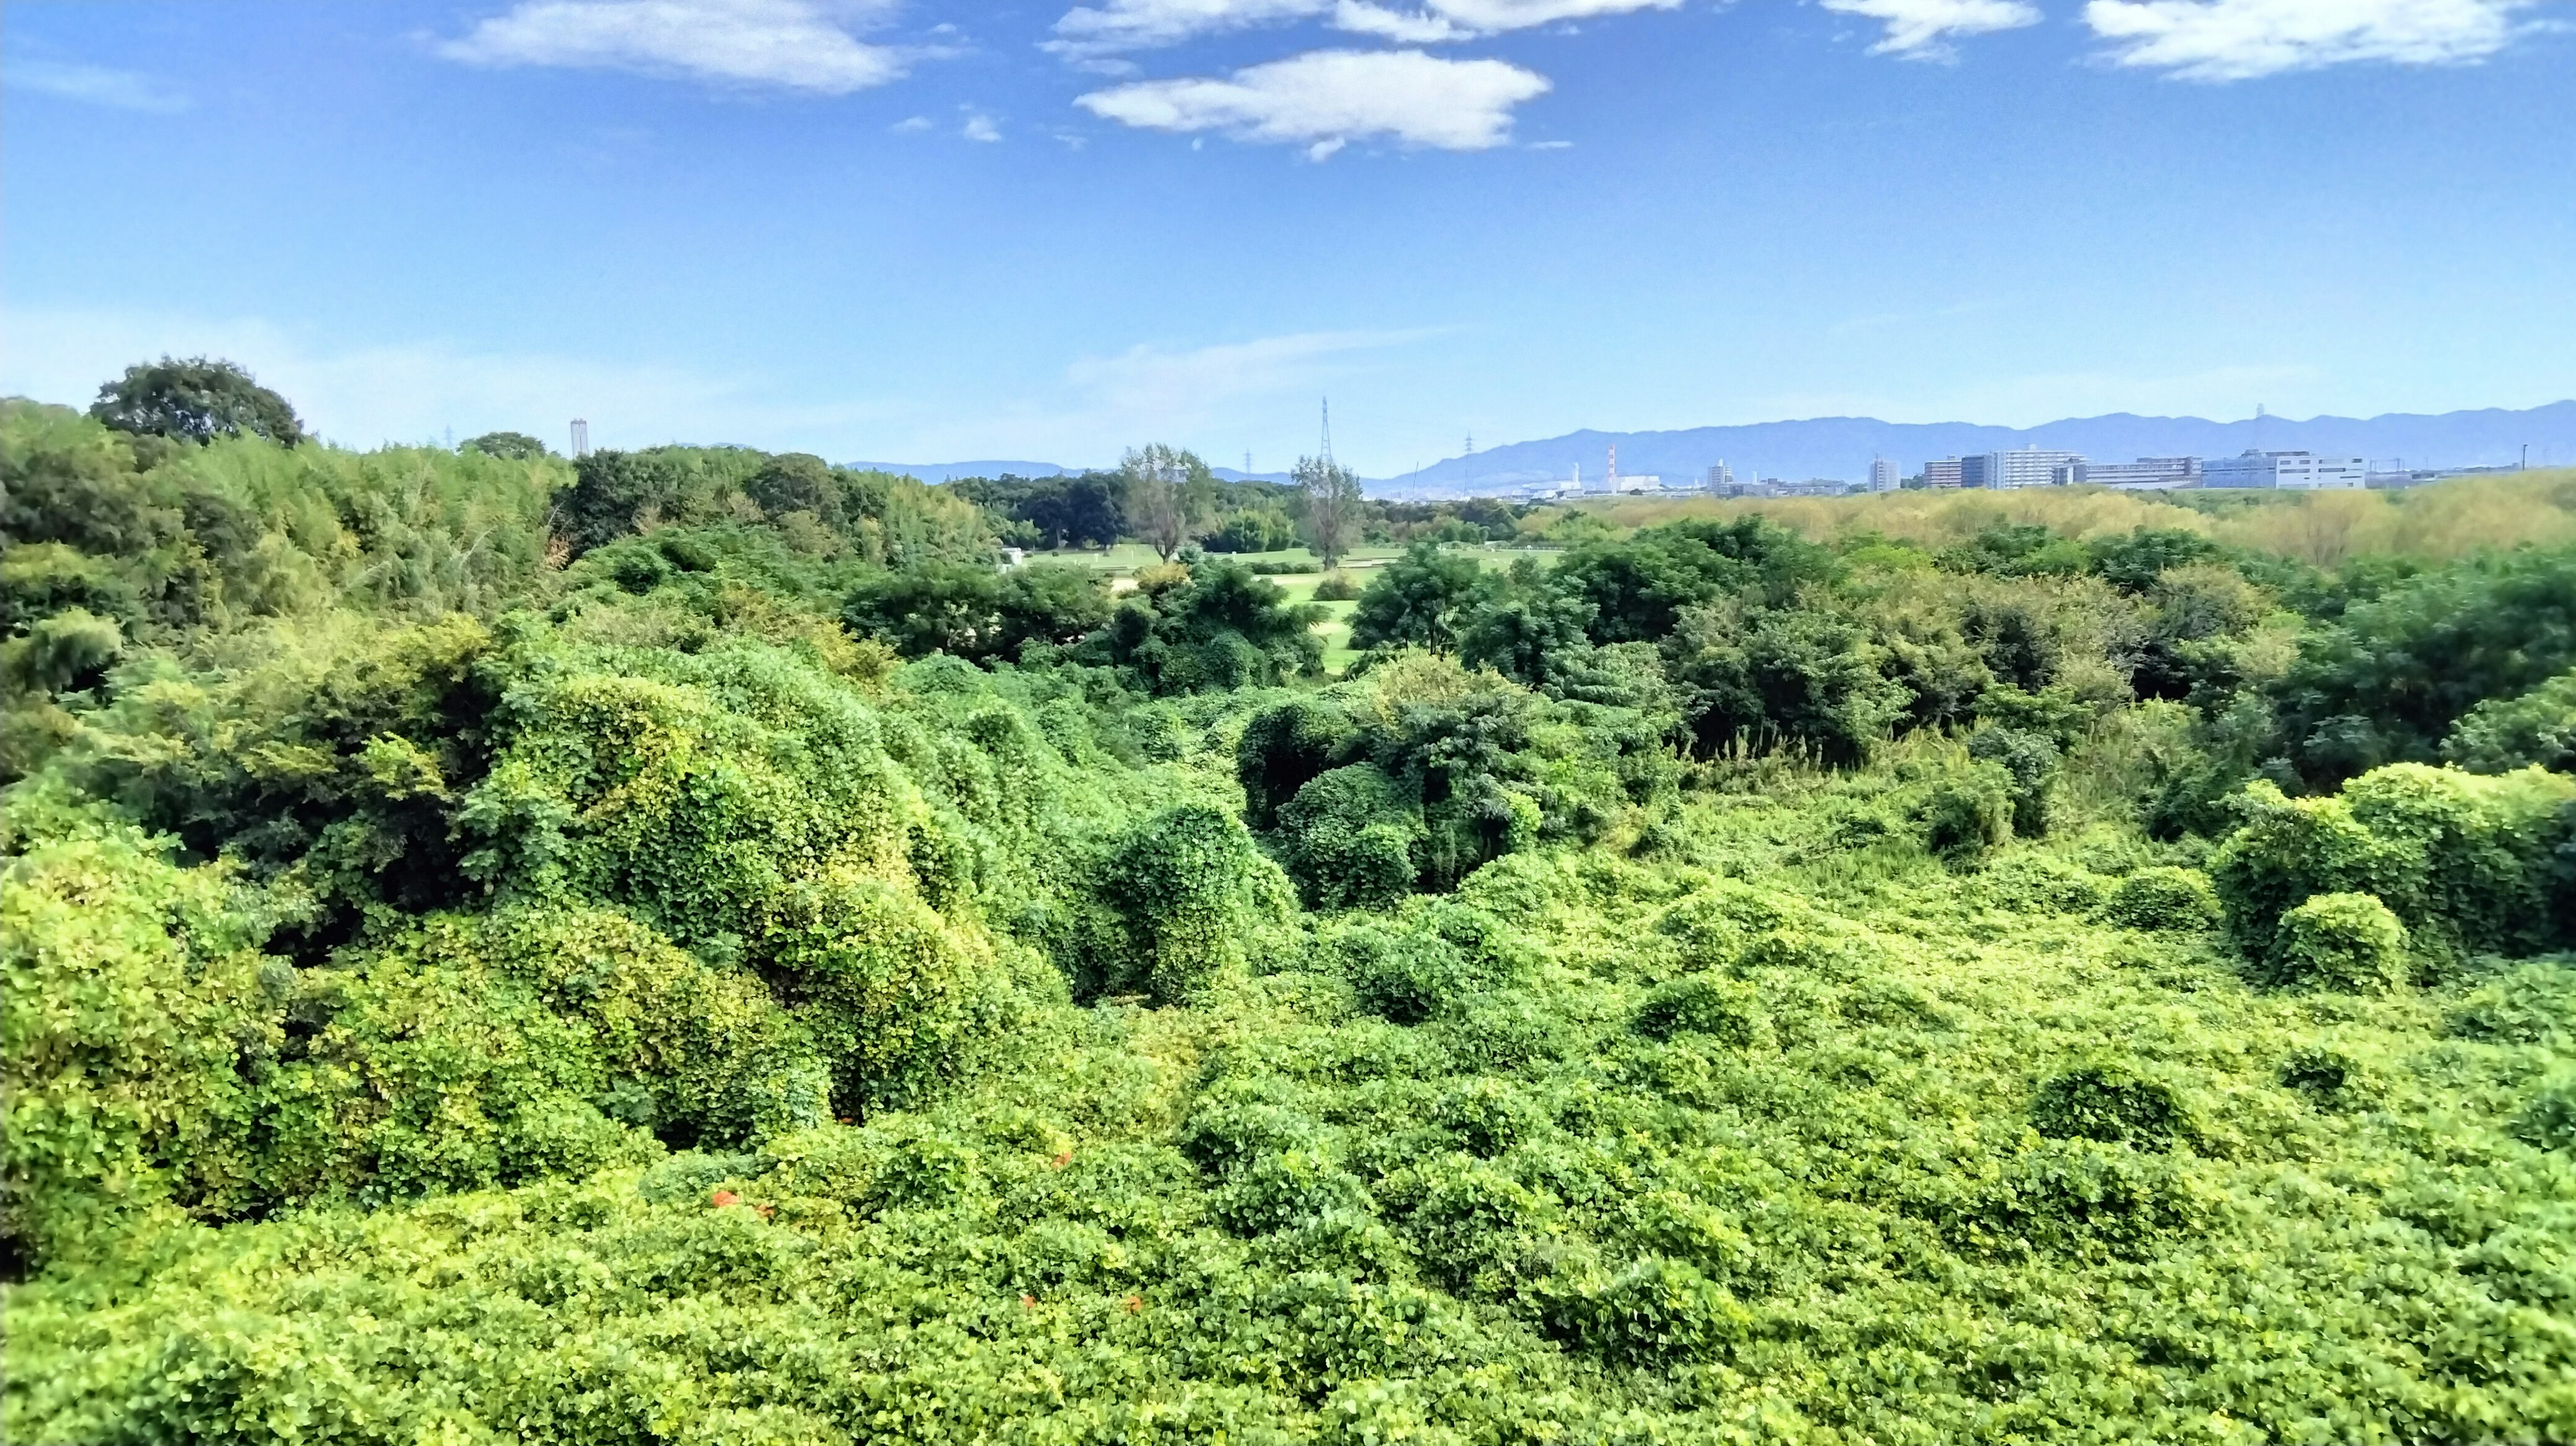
pixel 689 945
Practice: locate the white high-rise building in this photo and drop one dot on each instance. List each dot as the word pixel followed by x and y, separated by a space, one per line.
pixel 2029 467
pixel 1721 479
pixel 1883 476
pixel 2298 471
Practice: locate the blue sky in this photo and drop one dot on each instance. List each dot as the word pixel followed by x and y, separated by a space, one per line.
pixel 928 231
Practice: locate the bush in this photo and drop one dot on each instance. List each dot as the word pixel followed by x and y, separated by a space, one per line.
pixel 2549 1121
pixel 2330 1078
pixel 2349 943
pixel 1707 1004
pixel 1967 813
pixel 1187 889
pixel 1337 586
pixel 2112 1103
pixel 1351 839
pixel 1657 1312
pixel 2503 734
pixel 1402 977
pixel 1283 748
pixel 2161 899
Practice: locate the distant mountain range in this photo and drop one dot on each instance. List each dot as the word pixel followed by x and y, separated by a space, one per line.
pixel 1842 447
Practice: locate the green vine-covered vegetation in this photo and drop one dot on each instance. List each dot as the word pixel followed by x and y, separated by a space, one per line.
pixel 680 946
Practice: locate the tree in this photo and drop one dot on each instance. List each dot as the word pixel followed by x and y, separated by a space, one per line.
pixel 508 446
pixel 196 400
pixel 1168 491
pixel 1421 597
pixel 1332 493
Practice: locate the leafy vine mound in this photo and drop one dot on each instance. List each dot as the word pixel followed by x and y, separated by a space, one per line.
pixel 683 950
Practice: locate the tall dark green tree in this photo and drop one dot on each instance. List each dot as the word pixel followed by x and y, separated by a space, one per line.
pixel 196 400
pixel 1421 598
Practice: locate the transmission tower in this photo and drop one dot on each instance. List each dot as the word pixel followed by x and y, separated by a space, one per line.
pixel 1328 431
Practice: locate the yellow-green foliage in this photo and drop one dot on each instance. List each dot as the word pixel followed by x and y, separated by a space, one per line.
pixel 1896 1161
pixel 2326 529
pixel 131 991
pixel 1750 990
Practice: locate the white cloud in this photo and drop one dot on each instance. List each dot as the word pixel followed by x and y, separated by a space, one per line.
pixel 1118 25
pixel 402 392
pixel 1922 29
pixel 980 127
pixel 1328 98
pixel 1154 385
pixel 797 44
pixel 910 125
pixel 2240 39
pixel 92 84
pixel 1217 397
pixel 1362 18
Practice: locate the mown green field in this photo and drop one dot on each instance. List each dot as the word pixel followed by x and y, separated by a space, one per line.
pixel 684 948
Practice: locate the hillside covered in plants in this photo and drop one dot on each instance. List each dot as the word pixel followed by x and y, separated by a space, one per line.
pixel 682 946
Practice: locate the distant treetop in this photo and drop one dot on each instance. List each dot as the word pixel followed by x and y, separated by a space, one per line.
pixel 508 446
pixel 195 400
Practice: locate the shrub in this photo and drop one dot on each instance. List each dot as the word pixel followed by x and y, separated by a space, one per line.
pixel 1226 1132
pixel 2549 1121
pixel 2112 1103
pixel 2032 760
pixel 1656 1312
pixel 2330 1078
pixel 2534 1004
pixel 2284 852
pixel 1404 978
pixel 1470 1217
pixel 2350 943
pixel 2164 899
pixel 1967 813
pixel 1286 1190
pixel 1337 587
pixel 1707 1004
pixel 1187 888
pixel 2503 734
pixel 130 1003
pixel 1351 839
pixel 1284 748
pixel 1486 1116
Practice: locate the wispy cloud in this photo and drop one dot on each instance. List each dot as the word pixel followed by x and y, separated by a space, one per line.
pixel 1088 31
pixel 1923 29
pixel 1327 98
pixel 91 85
pixel 403 391
pixel 1214 396
pixel 1180 385
pixel 2221 40
pixel 792 44
pixel 980 127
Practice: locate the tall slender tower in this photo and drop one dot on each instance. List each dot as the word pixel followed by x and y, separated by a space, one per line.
pixel 580 437
pixel 1328 431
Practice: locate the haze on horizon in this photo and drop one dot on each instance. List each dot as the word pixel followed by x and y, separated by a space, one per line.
pixel 929 231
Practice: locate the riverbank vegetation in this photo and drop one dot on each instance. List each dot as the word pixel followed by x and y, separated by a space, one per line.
pixel 682 946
